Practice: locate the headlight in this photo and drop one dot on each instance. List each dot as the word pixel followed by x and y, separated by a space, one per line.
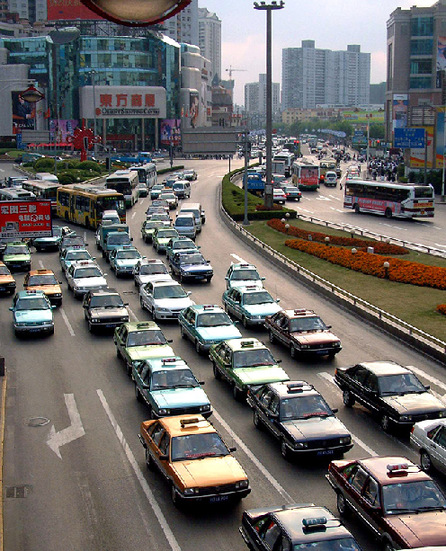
pixel 406 418
pixel 241 484
pixel 345 440
pixel 163 309
pixel 337 344
pixel 207 407
pixel 305 346
pixel 163 411
pixel 300 445
pixel 190 491
pixel 94 320
pixel 442 414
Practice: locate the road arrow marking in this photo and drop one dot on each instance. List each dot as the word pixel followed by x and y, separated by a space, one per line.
pixel 58 439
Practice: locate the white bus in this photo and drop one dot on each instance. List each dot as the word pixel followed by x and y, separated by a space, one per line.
pixel 43 189
pixel 390 199
pixel 16 194
pixel 125 182
pixel 146 173
pixel 287 157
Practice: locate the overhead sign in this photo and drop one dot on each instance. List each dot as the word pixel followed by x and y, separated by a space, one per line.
pixel 212 140
pixel 406 138
pixel 25 219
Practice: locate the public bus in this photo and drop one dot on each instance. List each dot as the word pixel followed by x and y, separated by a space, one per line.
pixel 305 176
pixel 146 173
pixel 84 203
pixel 287 157
pixel 43 189
pixel 16 194
pixel 125 182
pixel 390 199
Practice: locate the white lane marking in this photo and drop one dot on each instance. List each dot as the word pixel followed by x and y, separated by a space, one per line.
pixel 266 473
pixel 440 245
pixel 132 313
pixel 393 227
pixel 143 482
pixel 41 264
pixel 323 198
pixel 305 210
pixel 67 323
pixel 133 214
pixel 85 237
pixel 239 258
pixel 55 439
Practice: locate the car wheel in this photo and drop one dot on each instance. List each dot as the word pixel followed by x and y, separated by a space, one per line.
pixel 208 279
pixel 425 461
pixel 128 369
pixel 341 504
pixel 293 351
pixel 387 546
pixel 138 394
pixel 256 420
pixel 272 338
pixel 284 449
pixel 348 399
pixel 198 347
pixel 245 322
pixel 154 314
pixel 385 423
pixel 216 372
pixel 118 353
pixel 183 332
pixel 176 499
pixel 149 460
pixel 90 327
pixel 357 209
pixel 388 213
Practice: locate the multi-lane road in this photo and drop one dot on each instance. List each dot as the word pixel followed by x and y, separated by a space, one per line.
pixel 74 475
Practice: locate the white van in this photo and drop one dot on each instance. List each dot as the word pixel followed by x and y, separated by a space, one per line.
pixel 47 177
pixel 199 214
pixel 181 188
pixel 185 224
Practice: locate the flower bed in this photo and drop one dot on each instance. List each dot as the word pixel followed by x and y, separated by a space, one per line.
pixel 399 270
pixel 442 309
pixel 378 246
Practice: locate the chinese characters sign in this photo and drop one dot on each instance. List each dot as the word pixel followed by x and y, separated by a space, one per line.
pixel 25 219
pixel 114 102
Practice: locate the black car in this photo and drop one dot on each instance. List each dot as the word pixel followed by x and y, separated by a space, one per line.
pixel 389 390
pixel 297 526
pixel 104 309
pixel 191 266
pixel 299 417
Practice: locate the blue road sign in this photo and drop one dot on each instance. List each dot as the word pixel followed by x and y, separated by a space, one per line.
pixel 406 138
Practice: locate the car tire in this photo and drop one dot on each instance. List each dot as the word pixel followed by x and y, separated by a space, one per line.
pixel 90 327
pixel 149 460
pixel 238 394
pixel 348 399
pixel 357 209
pixel 138 394
pixel 385 423
pixel 208 279
pixel 256 420
pixel 176 499
pixel 293 351
pixel 183 332
pixel 154 314
pixel 272 338
pixel 387 546
pixel 341 504
pixel 198 347
pixel 216 371
pixel 388 213
pixel 425 461
pixel 128 369
pixel 118 353
pixel 245 322
pixel 284 450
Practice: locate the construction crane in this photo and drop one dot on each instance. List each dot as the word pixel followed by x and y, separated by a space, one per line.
pixel 231 70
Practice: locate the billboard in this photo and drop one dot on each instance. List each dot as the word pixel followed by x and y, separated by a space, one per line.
pixel 25 219
pixel 400 110
pixel 194 108
pixel 23 114
pixel 441 58
pixel 62 130
pixel 419 156
pixel 69 10
pixel 170 132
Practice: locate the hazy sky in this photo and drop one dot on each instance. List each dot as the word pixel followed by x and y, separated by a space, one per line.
pixel 332 24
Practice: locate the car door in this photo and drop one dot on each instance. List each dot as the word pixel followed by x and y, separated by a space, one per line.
pixel 356 378
pixel 270 414
pixel 272 537
pixel 371 504
pixel 158 439
pixel 355 482
pixel 147 296
pixel 189 325
pixel 437 449
pixel 237 303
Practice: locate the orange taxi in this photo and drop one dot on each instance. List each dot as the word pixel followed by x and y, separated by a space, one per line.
pixel 7 282
pixel 194 459
pixel 46 281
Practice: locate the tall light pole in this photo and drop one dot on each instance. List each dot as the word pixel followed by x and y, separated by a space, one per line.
pixel 92 73
pixel 273 5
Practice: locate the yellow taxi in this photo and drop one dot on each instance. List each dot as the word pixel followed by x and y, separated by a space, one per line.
pixel 194 459
pixel 46 281
pixel 7 282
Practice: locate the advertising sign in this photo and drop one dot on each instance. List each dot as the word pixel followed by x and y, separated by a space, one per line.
pixel 69 10
pixel 25 219
pixel 440 141
pixel 171 132
pixel 193 108
pixel 400 109
pixel 406 138
pixel 418 156
pixel 441 58
pixel 23 114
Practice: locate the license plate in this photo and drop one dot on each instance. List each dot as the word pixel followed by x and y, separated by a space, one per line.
pixel 33 330
pixel 219 499
pixel 111 325
pixel 2 288
pixel 325 452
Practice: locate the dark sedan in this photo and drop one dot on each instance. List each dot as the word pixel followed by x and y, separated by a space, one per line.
pixel 191 267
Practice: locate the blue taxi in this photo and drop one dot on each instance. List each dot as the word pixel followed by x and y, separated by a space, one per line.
pixel 32 312
pixel 250 304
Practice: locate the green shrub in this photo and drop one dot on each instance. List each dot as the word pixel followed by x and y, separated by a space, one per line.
pixel 173 169
pixel 46 164
pixel 89 165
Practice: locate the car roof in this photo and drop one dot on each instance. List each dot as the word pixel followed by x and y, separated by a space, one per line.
pixel 299 313
pixel 288 389
pixel 242 266
pixel 246 289
pixel 393 469
pixel 107 291
pixel 244 344
pixel 165 283
pixel 384 368
pixel 41 272
pixel 85 264
pixel 207 308
pixel 31 294
pixel 142 326
pixel 161 364
pixel 180 425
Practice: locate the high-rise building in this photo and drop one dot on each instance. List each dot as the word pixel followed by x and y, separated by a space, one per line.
pixel 209 39
pixel 255 97
pixel 312 77
pixel 31 10
pixel 183 27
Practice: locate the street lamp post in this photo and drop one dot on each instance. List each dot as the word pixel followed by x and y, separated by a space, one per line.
pixel 93 82
pixel 274 5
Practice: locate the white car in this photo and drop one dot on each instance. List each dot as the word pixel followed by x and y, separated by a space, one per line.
pixel 84 276
pixel 279 196
pixel 150 270
pixel 164 299
pixel 429 439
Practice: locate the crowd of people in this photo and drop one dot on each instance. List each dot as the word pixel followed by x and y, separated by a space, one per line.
pixel 383 169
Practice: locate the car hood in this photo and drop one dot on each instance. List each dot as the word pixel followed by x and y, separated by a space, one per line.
pixel 414 403
pixel 209 471
pixel 109 312
pixel 90 282
pixel 179 397
pixel 245 283
pixel 127 262
pixel 33 316
pixel 173 302
pixel 422 529
pixel 156 277
pixel 190 268
pixel 220 333
pixel 260 375
pixel 315 427
pixel 319 337
pixel 16 257
pixel 6 279
pixel 267 309
pixel 47 289
pixel 150 351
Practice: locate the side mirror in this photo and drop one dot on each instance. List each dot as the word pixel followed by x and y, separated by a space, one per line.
pixel 201 383
pixel 335 410
pixel 278 361
pixel 169 340
pixel 427 387
pixel 11 308
pixel 329 326
pixel 277 300
pixel 131 239
pixel 189 293
pixel 125 303
pixel 163 457
pixel 262 279
pixel 233 449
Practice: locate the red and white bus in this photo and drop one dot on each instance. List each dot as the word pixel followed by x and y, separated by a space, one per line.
pixel 306 176
pixel 390 199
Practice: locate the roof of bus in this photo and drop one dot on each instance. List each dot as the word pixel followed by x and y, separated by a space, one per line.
pixel 377 183
pixel 88 189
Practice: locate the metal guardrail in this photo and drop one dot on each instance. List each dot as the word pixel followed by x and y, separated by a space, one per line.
pixel 412 335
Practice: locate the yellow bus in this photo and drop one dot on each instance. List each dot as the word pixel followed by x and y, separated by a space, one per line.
pixel 84 203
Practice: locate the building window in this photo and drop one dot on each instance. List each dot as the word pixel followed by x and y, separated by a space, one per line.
pixel 420 82
pixel 421 46
pixel 422 26
pixel 420 67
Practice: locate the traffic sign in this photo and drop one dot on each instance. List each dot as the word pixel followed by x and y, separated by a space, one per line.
pixel 406 138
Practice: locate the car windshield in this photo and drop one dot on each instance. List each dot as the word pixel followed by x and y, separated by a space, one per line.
pixel 146 338
pixel 307 324
pixel 36 303
pixel 169 291
pixel 82 273
pixel 160 216
pixel 422 495
pixel 106 301
pixel 403 383
pixel 173 378
pixel 4 270
pixel 70 241
pixel 44 279
pixel 253 358
pixel 216 319
pixel 150 269
pixel 192 259
pixel 184 245
pixel 198 446
pixel 260 297
pixel 166 233
pixel 168 196
pixel 57 231
pixel 16 249
pixel 304 407
pixel 121 239
pixel 342 544
pixel 127 254
pixel 77 255
pixel 240 275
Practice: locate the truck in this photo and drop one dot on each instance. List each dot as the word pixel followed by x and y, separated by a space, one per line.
pixel 104 229
pixel 255 183
pixel 138 158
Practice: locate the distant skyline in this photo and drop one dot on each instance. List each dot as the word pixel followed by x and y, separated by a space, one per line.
pixel 333 25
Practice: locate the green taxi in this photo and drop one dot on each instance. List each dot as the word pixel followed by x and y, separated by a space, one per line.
pixel 32 312
pixel 245 364
pixel 140 340
pixel 250 304
pixel 17 256
pixel 148 228
pixel 161 238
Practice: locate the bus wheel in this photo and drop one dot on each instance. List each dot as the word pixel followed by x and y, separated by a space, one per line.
pixel 388 213
pixel 357 208
pixel 87 222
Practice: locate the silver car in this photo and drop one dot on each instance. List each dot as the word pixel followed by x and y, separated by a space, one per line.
pixel 429 439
